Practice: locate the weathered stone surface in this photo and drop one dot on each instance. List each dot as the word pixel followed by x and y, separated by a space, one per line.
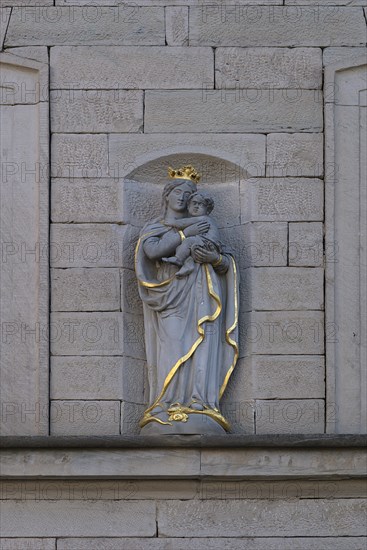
pixel 333 55
pixel 218 518
pixel 237 543
pixel 130 299
pixel 24 221
pixel 24 82
pixel 27 3
pixel 27 544
pixel 87 334
pixel 88 200
pixel 38 53
pixel 85 25
pixel 230 4
pixel 128 152
pixel 292 416
pixel 183 489
pixel 282 332
pixel 92 518
pixel 177 25
pixel 294 155
pixel 277 288
pixel 116 378
pixel 278 26
pixel 85 417
pixel 97 334
pixel 268 68
pixel 92 245
pixel 84 155
pixel 306 244
pixel 258 244
pixel 282 199
pixel 131 414
pixel 96 111
pixel 131 67
pixel 85 289
pixel 107 464
pixel 287 377
pixel 229 111
pixel 4 20
pixel 326 3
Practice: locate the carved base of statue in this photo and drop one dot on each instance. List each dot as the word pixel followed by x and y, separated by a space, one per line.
pixel 179 420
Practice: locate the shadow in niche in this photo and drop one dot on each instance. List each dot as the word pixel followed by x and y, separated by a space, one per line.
pixel 141 197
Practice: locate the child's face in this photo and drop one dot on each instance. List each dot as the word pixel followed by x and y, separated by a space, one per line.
pixel 197 207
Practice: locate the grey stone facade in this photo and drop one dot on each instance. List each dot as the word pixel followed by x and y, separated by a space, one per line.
pixel 267 99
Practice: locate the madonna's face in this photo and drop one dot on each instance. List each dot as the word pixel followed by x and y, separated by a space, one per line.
pixel 178 197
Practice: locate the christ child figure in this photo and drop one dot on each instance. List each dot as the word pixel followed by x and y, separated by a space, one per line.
pixel 199 207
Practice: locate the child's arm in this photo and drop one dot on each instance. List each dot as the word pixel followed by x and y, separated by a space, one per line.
pixel 185 222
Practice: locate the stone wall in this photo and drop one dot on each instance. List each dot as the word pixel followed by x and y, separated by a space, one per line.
pixel 267 99
pixel 133 84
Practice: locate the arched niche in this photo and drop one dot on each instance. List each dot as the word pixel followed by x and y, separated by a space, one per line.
pixel 141 199
pixel 346 278
pixel 24 286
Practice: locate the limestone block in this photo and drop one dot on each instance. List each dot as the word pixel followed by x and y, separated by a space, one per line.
pixel 258 244
pixel 294 155
pixel 287 377
pixel 131 414
pixel 334 517
pixel 85 289
pixel 237 3
pixel 113 378
pixel 131 67
pixel 87 334
pixel 28 3
pixel 96 111
pixel 102 463
pixel 92 245
pixel 333 55
pixel 130 299
pixel 27 544
pixel 236 543
pixel 277 288
pixel 97 334
pixel 133 335
pixel 83 155
pixel 281 332
pixel 4 20
pixel 306 244
pixel 177 25
pixel 92 518
pixel 233 111
pixel 24 82
pixel 38 53
pixel 282 199
pixel 86 25
pixel 87 200
pixel 128 152
pixel 290 416
pixel 268 68
pixel 85 417
pixel 326 3
pixel 278 26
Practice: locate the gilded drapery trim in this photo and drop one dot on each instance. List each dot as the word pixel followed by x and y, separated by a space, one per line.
pixel 229 340
pixel 196 344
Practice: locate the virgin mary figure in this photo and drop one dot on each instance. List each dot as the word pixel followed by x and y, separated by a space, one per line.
pixel 190 322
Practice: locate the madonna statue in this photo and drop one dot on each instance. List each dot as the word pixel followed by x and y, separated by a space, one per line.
pixel 189 287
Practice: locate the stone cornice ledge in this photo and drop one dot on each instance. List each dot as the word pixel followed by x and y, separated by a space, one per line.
pixel 188 441
pixel 176 457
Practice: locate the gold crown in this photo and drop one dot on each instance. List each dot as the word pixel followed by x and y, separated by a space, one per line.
pixel 184 173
